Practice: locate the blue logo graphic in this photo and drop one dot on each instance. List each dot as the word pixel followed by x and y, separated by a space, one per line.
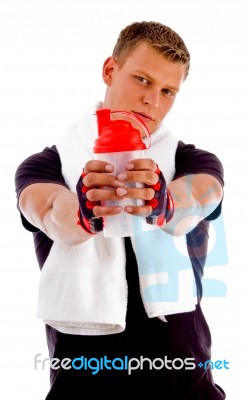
pixel 157 253
pixel 218 364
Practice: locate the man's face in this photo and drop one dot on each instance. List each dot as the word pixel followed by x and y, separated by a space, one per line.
pixel 146 84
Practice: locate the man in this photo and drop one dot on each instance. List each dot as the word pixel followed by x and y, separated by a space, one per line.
pixel 91 295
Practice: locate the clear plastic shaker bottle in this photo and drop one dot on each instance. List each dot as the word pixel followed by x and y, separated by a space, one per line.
pixel 119 141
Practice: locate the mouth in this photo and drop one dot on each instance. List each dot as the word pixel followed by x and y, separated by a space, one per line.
pixel 144 117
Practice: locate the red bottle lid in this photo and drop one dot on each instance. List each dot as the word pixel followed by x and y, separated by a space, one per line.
pixel 119 131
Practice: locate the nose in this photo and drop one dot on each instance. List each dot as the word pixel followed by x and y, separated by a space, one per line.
pixel 152 99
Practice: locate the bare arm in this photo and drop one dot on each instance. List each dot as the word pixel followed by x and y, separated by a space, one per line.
pixel 53 209
pixel 195 197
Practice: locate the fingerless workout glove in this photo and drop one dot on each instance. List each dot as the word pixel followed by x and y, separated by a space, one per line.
pixel 162 202
pixel 86 218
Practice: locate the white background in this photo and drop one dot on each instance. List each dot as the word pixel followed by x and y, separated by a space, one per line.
pixel 51 56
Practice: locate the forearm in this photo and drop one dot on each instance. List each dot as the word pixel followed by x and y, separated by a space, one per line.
pixel 60 222
pixel 53 209
pixel 194 197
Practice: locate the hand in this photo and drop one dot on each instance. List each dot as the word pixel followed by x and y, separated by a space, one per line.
pixel 92 193
pixel 158 206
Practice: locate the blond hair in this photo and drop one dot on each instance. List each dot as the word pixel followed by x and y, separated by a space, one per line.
pixel 160 37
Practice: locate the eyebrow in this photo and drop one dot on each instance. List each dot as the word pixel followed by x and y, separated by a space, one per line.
pixel 172 88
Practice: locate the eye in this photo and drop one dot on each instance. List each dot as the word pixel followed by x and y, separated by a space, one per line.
pixel 142 80
pixel 168 92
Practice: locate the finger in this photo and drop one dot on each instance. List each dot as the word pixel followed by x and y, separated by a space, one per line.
pixel 93 179
pixel 102 211
pixel 147 177
pixel 144 193
pixel 141 211
pixel 141 164
pixel 97 194
pixel 98 166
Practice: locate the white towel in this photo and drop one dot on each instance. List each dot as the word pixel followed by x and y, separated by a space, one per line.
pixel 83 289
pixel 166 276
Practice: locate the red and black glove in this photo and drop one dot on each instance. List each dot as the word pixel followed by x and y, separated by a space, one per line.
pixel 86 218
pixel 162 202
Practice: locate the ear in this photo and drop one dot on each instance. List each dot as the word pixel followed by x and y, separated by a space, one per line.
pixel 108 70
